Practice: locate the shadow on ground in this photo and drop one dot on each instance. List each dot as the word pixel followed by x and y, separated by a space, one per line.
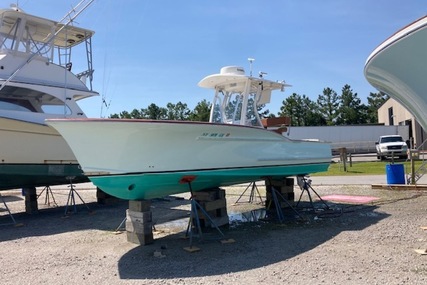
pixel 54 220
pixel 258 244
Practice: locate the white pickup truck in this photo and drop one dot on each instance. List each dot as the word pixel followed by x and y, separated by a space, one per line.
pixel 392 145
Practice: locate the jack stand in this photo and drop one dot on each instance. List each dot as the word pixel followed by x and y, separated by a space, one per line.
pixel 252 196
pixel 49 194
pixel 305 185
pixel 10 214
pixel 276 195
pixel 120 226
pixel 194 216
pixel 71 199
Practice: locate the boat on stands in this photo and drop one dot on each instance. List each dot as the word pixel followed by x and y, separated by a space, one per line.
pixel 144 159
pixel 398 67
pixel 37 82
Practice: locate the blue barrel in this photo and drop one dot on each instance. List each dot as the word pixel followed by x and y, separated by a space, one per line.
pixel 395 174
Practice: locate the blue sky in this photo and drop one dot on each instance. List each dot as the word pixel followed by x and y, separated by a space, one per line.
pixel 157 51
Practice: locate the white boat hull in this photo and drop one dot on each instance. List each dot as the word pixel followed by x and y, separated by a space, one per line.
pixel 398 67
pixel 131 150
pixel 34 155
pixel 23 142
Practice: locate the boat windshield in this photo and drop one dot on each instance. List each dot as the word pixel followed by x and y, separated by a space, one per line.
pixel 27 100
pixel 236 108
pixel 15 106
pixel 56 109
pixel 27 106
pixel 239 98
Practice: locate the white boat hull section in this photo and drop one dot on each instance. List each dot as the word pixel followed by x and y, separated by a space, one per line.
pixel 34 155
pixel 398 67
pixel 111 147
pixel 29 143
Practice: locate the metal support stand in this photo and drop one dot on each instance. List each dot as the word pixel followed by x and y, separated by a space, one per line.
pixel 276 195
pixel 194 216
pixel 305 185
pixel 121 225
pixel 252 195
pixel 71 198
pixel 10 214
pixel 49 194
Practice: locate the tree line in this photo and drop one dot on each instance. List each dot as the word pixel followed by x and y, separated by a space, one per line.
pixel 329 109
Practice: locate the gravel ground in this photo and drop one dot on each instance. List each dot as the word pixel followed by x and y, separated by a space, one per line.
pixel 370 243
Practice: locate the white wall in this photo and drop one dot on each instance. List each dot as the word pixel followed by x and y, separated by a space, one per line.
pixel 355 138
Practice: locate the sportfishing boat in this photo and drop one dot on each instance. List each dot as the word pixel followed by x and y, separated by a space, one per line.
pixel 398 67
pixel 36 83
pixel 144 159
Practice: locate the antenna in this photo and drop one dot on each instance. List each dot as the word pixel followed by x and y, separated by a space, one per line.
pixel 250 65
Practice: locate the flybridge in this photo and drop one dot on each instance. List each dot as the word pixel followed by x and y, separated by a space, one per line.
pixel 33 37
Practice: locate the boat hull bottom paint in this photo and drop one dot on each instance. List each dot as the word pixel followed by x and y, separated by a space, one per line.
pixel 149 185
pixel 13 176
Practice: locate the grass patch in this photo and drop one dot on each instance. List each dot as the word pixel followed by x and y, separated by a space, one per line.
pixel 364 168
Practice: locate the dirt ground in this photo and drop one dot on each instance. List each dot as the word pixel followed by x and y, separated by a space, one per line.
pixel 370 243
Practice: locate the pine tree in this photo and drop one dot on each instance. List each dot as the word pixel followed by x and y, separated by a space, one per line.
pixel 292 108
pixel 154 112
pixel 301 110
pixel 351 110
pixel 201 112
pixel 375 100
pixel 178 111
pixel 328 103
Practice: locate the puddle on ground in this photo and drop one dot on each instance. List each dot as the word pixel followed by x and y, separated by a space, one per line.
pixel 235 218
pixel 251 216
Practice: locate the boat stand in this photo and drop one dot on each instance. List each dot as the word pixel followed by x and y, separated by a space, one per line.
pixel 71 200
pixel 10 214
pixel 49 194
pixel 305 185
pixel 276 200
pixel 194 218
pixel 252 195
pixel 194 222
pixel 117 231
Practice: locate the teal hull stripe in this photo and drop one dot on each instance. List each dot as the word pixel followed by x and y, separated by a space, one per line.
pixel 156 185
